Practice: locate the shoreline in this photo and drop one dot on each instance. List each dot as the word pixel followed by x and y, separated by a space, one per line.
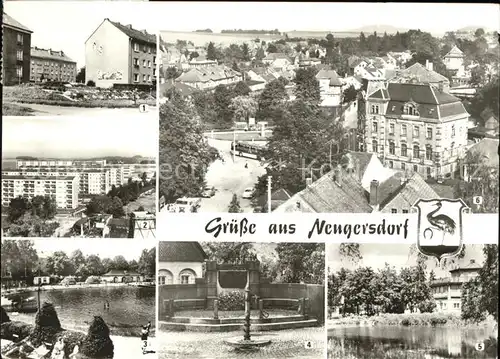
pixel 45 288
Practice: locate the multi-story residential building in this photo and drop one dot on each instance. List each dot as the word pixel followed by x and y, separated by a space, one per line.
pixel 447 292
pixel 330 88
pixel 117 54
pixel 50 65
pixel 59 163
pixel 16 44
pixel 418 73
pixel 63 189
pixel 416 127
pixel 209 77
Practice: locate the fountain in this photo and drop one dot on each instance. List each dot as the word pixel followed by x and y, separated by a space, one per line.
pixel 247 343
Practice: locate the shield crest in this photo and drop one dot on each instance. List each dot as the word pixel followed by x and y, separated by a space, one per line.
pixel 440 227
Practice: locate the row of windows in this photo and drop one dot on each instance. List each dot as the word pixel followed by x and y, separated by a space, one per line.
pixel 408 109
pixel 404 130
pixel 145 48
pixel 53 64
pixel 136 62
pixel 416 149
pixel 144 78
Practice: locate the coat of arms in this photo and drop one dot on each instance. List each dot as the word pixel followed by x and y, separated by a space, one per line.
pixel 440 227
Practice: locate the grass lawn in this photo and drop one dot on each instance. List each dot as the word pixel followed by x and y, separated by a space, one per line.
pixel 11 109
pixel 148 202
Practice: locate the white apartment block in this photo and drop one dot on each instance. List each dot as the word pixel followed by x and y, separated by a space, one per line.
pixel 63 189
pixel 59 163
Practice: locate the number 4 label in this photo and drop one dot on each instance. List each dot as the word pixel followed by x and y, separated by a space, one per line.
pixel 308 345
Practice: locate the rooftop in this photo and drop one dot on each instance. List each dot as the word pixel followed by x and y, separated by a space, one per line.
pixel 140 35
pixel 488 149
pixel 40 178
pixel 455 52
pixel 209 73
pixel 50 54
pixel 181 252
pixel 420 73
pixel 329 74
pixel 9 21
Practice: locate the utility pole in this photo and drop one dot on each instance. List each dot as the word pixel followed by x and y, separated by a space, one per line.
pixel 269 186
pixel 234 145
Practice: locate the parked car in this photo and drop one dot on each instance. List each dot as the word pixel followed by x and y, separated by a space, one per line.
pixel 248 193
pixel 208 192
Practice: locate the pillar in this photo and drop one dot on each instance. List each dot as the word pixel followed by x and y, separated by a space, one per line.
pixel 216 309
pixel 261 309
pixel 211 282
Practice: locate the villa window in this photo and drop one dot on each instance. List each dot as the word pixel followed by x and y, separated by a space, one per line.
pixel 416 131
pixel 394 210
pixel 20 55
pixel 136 77
pixel 404 150
pixel 403 166
pixel 410 109
pixel 375 127
pixel 405 211
pixel 185 279
pixel 428 152
pixel 453 131
pixel 391 129
pixel 375 109
pixel 392 148
pixel 415 168
pixel 416 151
pixel 136 61
pixel 456 305
pixel 19 71
pixel 144 63
pixel 20 39
pixel 136 47
pixel 429 133
pixel 403 130
pixel 374 146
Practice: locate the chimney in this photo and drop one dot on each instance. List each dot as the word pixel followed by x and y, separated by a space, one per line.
pixel 429 65
pixel 441 86
pixel 129 26
pixel 472 261
pixel 309 181
pixel 374 193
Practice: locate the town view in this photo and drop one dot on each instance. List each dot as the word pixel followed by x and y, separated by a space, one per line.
pixel 76 300
pixel 99 65
pixel 86 185
pixel 405 306
pixel 356 121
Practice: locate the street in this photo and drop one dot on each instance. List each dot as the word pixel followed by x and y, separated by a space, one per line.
pixel 229 177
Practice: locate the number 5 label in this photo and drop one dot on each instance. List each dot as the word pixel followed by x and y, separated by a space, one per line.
pixel 480 346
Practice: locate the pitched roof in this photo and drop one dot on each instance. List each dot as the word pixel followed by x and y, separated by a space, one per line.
pixel 472 265
pixel 327 196
pixel 128 30
pixel 37 52
pixel 488 148
pixel 420 73
pixel 360 160
pixel 276 55
pixel 181 252
pixel 381 94
pixel 115 272
pixel 329 74
pixel 406 194
pixel 455 52
pixel 208 73
pixel 277 197
pixel 184 89
pixel 357 62
pixel 9 21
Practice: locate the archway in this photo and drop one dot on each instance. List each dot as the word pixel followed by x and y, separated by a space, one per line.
pixel 187 276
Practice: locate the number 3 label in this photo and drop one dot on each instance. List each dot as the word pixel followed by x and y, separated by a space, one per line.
pixel 480 346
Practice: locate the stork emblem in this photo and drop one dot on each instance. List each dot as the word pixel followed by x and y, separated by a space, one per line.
pixel 440 226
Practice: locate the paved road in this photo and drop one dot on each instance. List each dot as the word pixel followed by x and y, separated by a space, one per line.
pixel 284 344
pixel 229 177
pixel 49 110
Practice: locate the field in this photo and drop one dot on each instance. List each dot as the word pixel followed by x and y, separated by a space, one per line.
pixel 202 39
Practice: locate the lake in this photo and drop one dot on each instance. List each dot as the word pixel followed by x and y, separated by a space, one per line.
pixel 398 342
pixel 130 307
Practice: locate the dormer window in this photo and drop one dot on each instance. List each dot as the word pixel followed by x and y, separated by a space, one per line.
pixel 410 109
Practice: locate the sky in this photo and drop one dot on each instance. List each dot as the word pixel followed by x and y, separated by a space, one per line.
pixel 69 32
pixel 397 255
pixel 74 136
pixel 104 248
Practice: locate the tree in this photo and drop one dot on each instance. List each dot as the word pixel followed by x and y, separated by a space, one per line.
pixel 93 265
pixel 471 301
pixel 362 42
pixel 271 48
pixel 43 206
pixel 479 32
pixel 184 152
pixel 272 98
pixel 243 107
pixel 478 76
pixel 246 52
pixel 222 102
pixel 17 208
pixel 351 251
pixel 172 72
pixel 59 264
pixel 260 54
pixel 230 252
pixel 120 263
pixel 234 206
pixel 97 343
pixel 241 89
pixel 211 51
pixel 147 262
pixel 307 86
pixel 193 55
pixel 488 277
pixel 18 258
pixel 77 260
pixel 32 226
pixel 350 94
pixel 80 77
pixel 292 264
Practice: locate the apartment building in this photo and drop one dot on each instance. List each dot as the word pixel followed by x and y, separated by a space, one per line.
pixel 59 163
pixel 330 88
pixel 117 54
pixel 50 65
pixel 62 188
pixel 131 170
pixel 416 127
pixel 447 292
pixel 16 44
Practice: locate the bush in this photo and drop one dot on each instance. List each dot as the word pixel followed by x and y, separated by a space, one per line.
pixel 91 83
pixel 47 325
pixel 427 306
pixel 234 300
pixel 70 340
pixel 97 343
pixel 4 316
pixel 437 321
pixel 15 330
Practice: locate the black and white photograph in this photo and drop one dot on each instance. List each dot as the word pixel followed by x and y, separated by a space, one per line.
pixel 393 302
pixel 92 177
pixel 95 58
pixel 241 300
pixel 296 113
pixel 74 299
